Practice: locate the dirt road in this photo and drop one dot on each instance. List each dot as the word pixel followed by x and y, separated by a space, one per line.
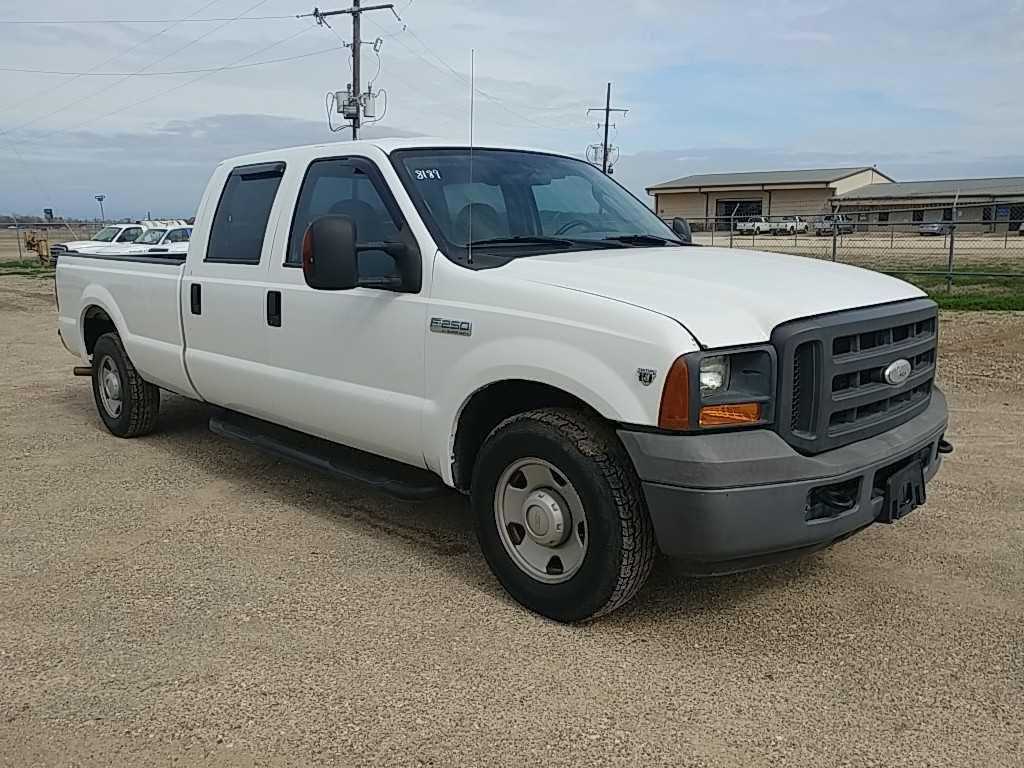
pixel 179 597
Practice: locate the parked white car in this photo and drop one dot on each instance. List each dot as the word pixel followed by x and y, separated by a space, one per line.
pixel 157 240
pixel 789 225
pixel 523 330
pixel 114 236
pixel 119 234
pixel 755 225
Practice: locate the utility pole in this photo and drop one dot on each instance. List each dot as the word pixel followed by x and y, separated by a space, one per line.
pixel 607 109
pixel 352 108
pixel 100 199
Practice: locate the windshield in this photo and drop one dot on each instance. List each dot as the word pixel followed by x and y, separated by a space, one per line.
pixel 522 203
pixel 106 234
pixel 150 237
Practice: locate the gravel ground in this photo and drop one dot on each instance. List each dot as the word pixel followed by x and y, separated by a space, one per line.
pixel 181 598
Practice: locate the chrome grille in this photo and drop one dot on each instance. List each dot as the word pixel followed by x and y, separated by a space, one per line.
pixel 832 387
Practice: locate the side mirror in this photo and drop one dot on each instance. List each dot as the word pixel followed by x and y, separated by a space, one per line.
pixel 329 261
pixel 682 229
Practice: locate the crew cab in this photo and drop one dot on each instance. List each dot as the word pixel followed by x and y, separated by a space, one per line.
pixel 516 326
pixel 755 225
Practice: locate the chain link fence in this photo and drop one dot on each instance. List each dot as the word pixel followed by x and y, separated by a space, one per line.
pixel 939 241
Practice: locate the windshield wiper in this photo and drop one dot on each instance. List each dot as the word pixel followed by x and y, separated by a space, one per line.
pixel 524 240
pixel 644 240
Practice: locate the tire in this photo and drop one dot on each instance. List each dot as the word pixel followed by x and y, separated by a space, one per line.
pixel 588 467
pixel 137 401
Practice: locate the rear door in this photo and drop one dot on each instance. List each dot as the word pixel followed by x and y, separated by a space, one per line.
pixel 224 289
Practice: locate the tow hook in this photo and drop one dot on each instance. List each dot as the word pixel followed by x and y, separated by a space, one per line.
pixel 945 447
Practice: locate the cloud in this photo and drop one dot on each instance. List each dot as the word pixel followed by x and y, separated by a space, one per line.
pixel 711 86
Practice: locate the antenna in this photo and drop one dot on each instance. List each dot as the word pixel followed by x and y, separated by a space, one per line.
pixel 472 95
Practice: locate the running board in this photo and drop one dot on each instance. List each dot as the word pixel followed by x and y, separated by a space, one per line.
pixel 391 477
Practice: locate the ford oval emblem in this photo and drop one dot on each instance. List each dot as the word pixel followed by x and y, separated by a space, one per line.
pixel 898 372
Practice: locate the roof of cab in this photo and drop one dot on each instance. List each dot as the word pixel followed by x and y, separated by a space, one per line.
pixel 310 151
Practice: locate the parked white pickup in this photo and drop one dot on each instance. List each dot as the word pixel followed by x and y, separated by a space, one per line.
pixel 522 329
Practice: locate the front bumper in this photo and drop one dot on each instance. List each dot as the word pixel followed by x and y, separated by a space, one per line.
pixel 734 500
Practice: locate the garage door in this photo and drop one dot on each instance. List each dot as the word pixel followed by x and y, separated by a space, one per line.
pixel 743 210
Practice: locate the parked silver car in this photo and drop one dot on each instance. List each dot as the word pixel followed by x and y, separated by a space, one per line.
pixel 838 223
pixel 935 228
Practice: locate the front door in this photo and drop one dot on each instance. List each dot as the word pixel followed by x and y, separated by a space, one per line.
pixel 348 364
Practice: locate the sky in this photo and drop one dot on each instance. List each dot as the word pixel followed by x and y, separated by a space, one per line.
pixel 923 91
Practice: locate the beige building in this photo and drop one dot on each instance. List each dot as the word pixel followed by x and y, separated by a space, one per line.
pixel 806 193
pixel 865 194
pixel 987 205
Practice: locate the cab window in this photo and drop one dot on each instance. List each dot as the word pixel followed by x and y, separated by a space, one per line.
pixel 341 187
pixel 240 223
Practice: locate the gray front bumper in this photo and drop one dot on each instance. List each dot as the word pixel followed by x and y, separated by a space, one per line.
pixel 731 500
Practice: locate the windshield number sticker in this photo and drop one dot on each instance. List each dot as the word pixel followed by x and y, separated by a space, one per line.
pixel 428 174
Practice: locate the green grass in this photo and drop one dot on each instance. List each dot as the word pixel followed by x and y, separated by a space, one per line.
pixel 25 268
pixel 973 293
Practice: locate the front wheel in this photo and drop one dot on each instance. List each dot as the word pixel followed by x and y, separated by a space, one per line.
pixel 127 403
pixel 560 514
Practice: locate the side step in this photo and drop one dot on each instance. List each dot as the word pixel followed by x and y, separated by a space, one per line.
pixel 391 477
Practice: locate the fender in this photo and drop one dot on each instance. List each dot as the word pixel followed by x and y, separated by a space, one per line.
pixel 543 361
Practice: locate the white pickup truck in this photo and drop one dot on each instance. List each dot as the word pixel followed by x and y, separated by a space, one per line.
pixel 520 328
pixel 756 225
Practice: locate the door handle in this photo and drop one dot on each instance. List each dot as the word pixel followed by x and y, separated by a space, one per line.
pixel 274 308
pixel 196 298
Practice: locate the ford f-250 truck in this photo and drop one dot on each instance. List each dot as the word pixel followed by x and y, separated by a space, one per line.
pixel 515 325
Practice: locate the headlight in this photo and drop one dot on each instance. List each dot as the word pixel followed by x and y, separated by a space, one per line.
pixel 719 389
pixel 714 374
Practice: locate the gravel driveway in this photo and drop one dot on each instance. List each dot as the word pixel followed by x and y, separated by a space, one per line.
pixel 181 597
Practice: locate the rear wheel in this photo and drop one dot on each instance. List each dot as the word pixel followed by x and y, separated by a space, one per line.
pixel 560 515
pixel 127 404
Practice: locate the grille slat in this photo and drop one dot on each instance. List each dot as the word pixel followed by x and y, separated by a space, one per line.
pixel 832 372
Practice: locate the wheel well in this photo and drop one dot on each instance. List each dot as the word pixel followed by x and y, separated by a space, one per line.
pixel 95 324
pixel 490 406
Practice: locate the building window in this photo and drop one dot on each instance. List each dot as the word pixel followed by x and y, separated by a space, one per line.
pixel 947 214
pixel 883 217
pixel 918 216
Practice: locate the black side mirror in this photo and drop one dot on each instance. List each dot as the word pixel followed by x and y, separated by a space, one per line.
pixel 682 229
pixel 329 261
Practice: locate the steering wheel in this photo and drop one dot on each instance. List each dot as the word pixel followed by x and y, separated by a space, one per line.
pixel 574 223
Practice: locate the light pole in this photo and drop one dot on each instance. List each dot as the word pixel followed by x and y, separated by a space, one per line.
pixel 100 199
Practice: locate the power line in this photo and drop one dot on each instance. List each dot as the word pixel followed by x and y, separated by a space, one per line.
pixel 447 68
pixel 115 56
pixel 179 86
pixel 106 88
pixel 186 20
pixel 170 72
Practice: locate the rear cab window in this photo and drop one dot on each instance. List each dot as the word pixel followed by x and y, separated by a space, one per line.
pixel 243 212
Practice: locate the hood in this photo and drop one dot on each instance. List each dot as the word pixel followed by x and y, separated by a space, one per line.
pixel 722 296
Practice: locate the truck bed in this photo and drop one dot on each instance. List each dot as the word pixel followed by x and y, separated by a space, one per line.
pixel 141 296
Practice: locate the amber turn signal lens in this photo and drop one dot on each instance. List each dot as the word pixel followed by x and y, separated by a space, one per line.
pixel 721 415
pixel 675 398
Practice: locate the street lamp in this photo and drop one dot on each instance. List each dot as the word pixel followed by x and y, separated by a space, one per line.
pixel 100 199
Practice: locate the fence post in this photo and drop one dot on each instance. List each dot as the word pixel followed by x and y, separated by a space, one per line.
pixel 732 226
pixel 713 227
pixel 949 263
pixel 17 235
pixel 835 237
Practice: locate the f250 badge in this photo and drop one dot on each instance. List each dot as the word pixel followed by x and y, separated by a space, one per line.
pixel 455 327
pixel 646 376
